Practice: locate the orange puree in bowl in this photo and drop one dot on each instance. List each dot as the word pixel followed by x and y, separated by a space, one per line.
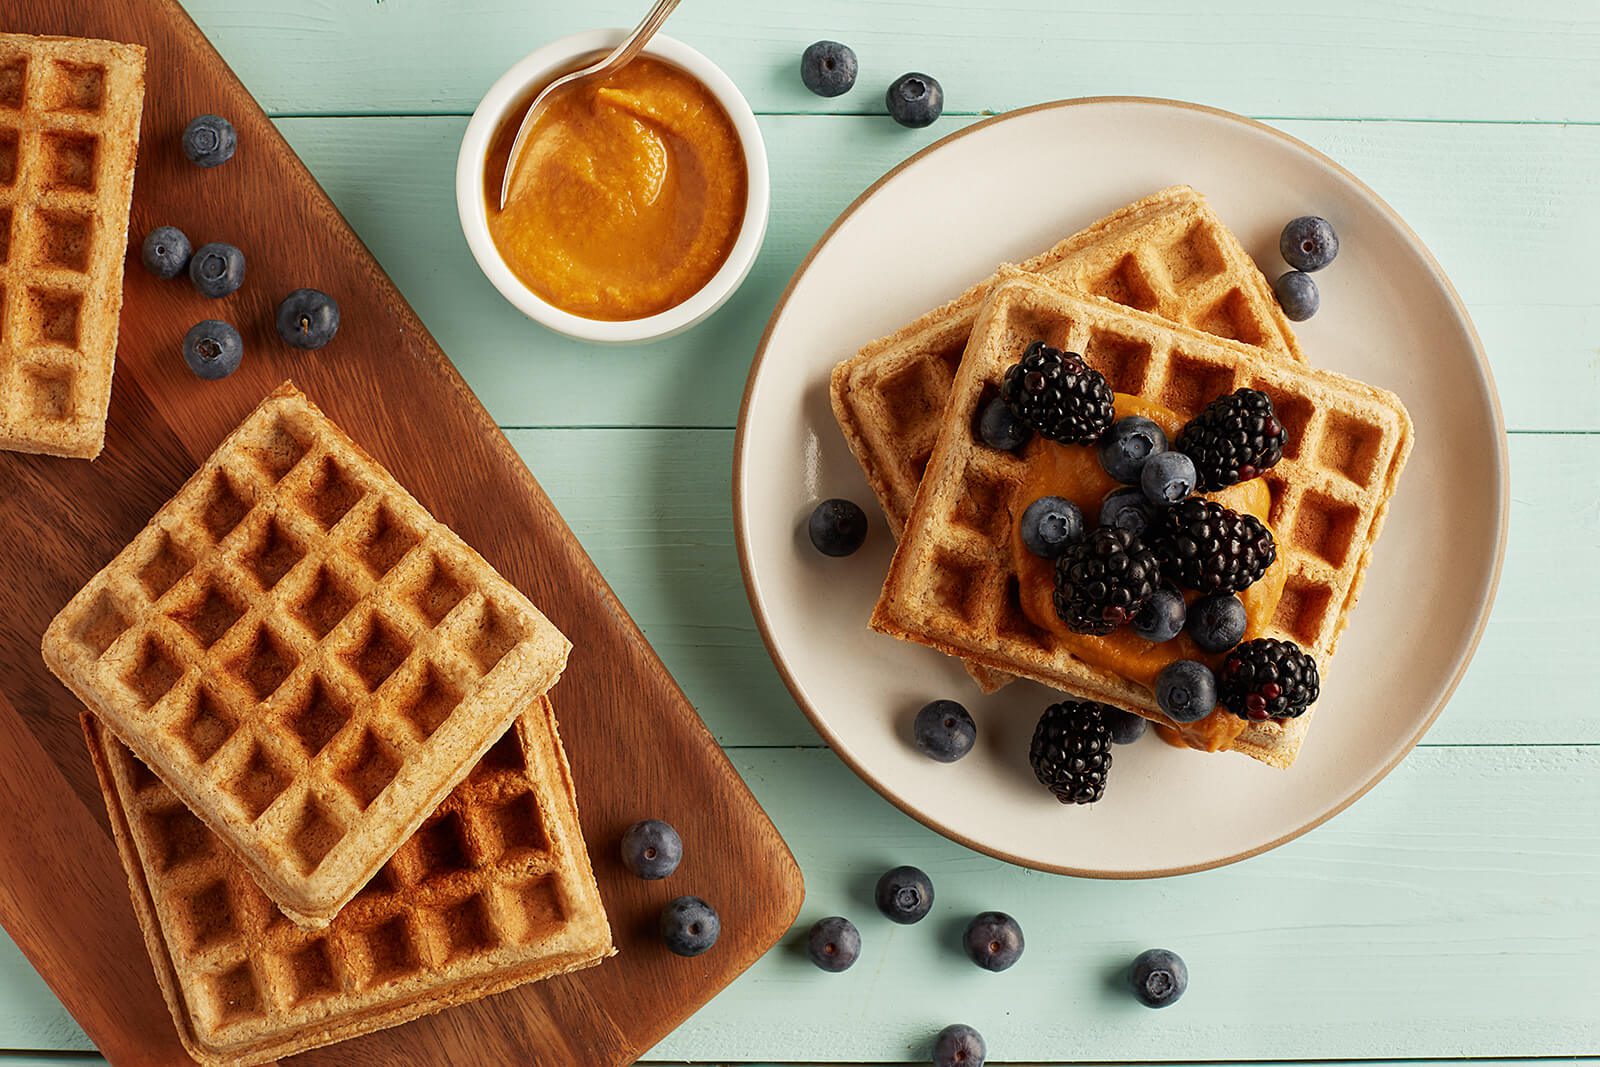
pixel 629 194
pixel 1074 472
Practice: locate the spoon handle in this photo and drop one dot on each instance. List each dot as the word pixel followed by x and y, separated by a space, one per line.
pixel 635 41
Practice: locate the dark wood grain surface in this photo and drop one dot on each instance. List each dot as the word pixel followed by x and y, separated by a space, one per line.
pixel 637 747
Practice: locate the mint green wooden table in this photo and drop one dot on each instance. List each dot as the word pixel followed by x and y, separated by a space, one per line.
pixel 1452 913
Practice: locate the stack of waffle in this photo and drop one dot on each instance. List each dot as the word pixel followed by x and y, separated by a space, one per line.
pixel 322 728
pixel 1161 299
pixel 69 134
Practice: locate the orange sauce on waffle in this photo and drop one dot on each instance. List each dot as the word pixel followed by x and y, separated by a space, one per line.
pixel 628 196
pixel 1074 472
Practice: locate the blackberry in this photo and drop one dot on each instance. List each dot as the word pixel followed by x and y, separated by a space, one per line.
pixel 1234 439
pixel 1103 580
pixel 1058 394
pixel 1071 750
pixel 1268 679
pixel 1204 546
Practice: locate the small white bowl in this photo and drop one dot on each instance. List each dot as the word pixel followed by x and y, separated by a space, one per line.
pixel 512 88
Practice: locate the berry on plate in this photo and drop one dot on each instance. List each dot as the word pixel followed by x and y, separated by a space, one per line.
pixel 1297 295
pixel 1126 727
pixel 1167 478
pixel 1204 546
pixel 1071 750
pixel 1186 690
pixel 1268 679
pixel 1050 525
pixel 1237 437
pixel 1059 395
pixel 837 527
pixel 1308 243
pixel 1161 618
pixel 1217 622
pixel 1103 580
pixel 1128 445
pixel 1126 509
pixel 944 731
pixel 1000 429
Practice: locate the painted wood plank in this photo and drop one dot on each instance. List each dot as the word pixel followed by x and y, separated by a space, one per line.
pixel 1475 59
pixel 1452 912
pixel 1506 208
pixel 653 509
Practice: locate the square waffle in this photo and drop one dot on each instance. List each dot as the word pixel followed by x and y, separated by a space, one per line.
pixel 69 136
pixel 952 584
pixel 1168 254
pixel 304 654
pixel 492 891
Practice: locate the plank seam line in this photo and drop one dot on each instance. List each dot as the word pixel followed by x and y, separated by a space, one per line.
pixel 978 114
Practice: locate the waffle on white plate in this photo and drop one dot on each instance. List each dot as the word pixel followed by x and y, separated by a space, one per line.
pixel 953 584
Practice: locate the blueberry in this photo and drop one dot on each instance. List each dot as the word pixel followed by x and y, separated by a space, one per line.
pixel 217 269
pixel 1125 447
pixel 308 318
pixel 1126 727
pixel 828 68
pixel 213 349
pixel 915 100
pixel 166 252
pixel 1297 295
pixel 1161 618
pixel 835 943
pixel 999 428
pixel 689 926
pixel 651 849
pixel 1159 977
pixel 959 1046
pixel 1308 243
pixel 209 141
pixel 1217 622
pixel 904 895
pixel 1186 690
pixel 1168 478
pixel 1126 509
pixel 837 527
pixel 993 940
pixel 1049 525
pixel 944 731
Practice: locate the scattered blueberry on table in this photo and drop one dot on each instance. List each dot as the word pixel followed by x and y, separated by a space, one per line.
pixel 1159 977
pixel 904 895
pixel 828 68
pixel 1128 445
pixel 308 319
pixel 216 269
pixel 944 731
pixel 1297 295
pixel 213 349
pixel 834 944
pixel 959 1045
pixel 651 849
pixel 915 100
pixel 1049 525
pixel 1217 622
pixel 1186 690
pixel 993 940
pixel 1308 243
pixel 209 140
pixel 837 527
pixel 689 926
pixel 1161 618
pixel 166 252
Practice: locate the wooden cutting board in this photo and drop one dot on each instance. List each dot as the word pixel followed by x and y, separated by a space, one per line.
pixel 637 747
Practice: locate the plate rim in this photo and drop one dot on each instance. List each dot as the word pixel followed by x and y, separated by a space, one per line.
pixel 1502 502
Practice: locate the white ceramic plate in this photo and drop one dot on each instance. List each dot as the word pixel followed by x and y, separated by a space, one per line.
pixel 1001 191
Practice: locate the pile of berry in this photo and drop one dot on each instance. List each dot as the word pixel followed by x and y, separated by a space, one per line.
pixel 1154 540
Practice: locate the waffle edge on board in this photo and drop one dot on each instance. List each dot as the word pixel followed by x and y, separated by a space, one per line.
pixel 69 138
pixel 306 655
pixel 494 890
pixel 1168 254
pixel 952 584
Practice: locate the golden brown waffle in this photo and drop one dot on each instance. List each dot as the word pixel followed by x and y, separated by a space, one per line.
pixel 69 136
pixel 1167 254
pixel 304 654
pixel 494 890
pixel 952 584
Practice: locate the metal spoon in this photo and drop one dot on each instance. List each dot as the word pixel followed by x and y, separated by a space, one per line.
pixel 624 54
